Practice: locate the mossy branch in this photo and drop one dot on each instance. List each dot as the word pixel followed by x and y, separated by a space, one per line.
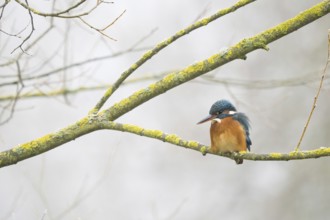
pixel 204 149
pixel 102 120
pixel 237 51
pixel 150 53
pixel 40 145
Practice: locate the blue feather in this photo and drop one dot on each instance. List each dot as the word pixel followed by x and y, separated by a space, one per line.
pixel 245 122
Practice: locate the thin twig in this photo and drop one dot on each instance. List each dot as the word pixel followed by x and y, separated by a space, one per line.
pixel 13 102
pixel 2 7
pixel 77 64
pixel 38 39
pixel 317 95
pixel 114 21
pixel 30 34
pixel 101 30
pixel 96 29
pixel 57 14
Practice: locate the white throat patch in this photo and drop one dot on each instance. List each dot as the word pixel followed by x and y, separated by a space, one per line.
pixel 216 120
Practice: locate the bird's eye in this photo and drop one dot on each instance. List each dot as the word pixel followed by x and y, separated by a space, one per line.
pixel 218 113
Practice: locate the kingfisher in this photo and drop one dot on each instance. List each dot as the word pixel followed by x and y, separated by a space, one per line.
pixel 229 130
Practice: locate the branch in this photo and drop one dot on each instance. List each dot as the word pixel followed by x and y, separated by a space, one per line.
pixel 149 54
pixel 29 35
pixel 48 142
pixel 194 145
pixel 101 30
pixel 33 43
pixel 237 51
pixel 88 125
pixel 59 14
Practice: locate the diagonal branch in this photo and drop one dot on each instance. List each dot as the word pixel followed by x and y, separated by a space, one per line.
pixel 237 51
pixel 149 54
pixel 48 142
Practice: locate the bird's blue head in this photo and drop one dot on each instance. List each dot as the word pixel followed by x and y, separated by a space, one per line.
pixel 218 108
pixel 221 106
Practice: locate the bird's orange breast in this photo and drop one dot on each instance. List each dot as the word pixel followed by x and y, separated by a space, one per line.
pixel 227 135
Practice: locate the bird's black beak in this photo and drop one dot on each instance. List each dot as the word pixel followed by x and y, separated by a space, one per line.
pixel 208 118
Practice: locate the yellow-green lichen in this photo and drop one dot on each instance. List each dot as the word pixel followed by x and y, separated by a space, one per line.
pixel 242 152
pixel 156 134
pixel 132 128
pixel 193 144
pixel 197 67
pixel 204 21
pixel 152 87
pixel 181 33
pixel 147 55
pixel 214 59
pixel 275 155
pixel 169 78
pixel 134 66
pixel 203 150
pixel 293 153
pixel 172 138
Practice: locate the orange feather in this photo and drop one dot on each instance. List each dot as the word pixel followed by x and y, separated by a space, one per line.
pixel 227 135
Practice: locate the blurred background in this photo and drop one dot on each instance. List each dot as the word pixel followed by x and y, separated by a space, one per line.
pixel 115 175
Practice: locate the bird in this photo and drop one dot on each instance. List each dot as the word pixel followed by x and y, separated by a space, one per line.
pixel 229 131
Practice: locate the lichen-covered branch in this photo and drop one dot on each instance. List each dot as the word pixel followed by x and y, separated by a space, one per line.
pixel 237 51
pixel 149 54
pixel 194 145
pixel 48 142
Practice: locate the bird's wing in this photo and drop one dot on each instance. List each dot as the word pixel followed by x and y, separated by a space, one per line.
pixel 245 122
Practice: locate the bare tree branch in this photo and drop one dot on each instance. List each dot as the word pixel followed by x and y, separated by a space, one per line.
pixel 59 14
pixel 2 8
pixel 29 35
pixel 11 105
pixel 101 30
